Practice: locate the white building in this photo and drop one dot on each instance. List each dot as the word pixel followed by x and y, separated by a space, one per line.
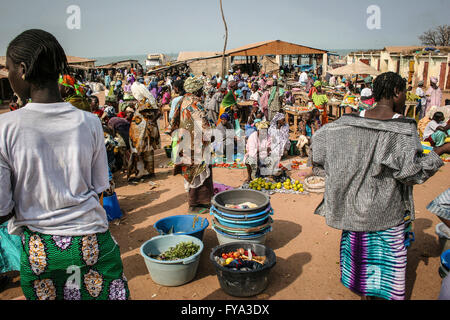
pixel 412 63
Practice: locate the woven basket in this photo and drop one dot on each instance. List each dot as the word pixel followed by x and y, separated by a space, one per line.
pixel 315 184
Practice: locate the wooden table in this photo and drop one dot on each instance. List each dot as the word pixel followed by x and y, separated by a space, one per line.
pixel 335 104
pixel 244 106
pixel 301 96
pixel 408 105
pixel 293 84
pixel 296 115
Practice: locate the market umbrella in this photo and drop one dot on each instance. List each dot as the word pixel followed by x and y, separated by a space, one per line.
pixel 355 68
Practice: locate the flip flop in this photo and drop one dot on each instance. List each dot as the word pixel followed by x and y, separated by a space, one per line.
pixel 198 210
pixel 203 211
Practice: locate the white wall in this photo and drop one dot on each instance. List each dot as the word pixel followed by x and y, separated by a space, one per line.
pixel 389 63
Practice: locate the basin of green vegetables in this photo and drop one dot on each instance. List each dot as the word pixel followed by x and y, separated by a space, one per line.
pixel 172 260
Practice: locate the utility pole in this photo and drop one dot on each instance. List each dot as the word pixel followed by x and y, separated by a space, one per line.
pixel 226 39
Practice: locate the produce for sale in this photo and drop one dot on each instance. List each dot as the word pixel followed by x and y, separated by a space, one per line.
pixel 240 254
pixel 181 251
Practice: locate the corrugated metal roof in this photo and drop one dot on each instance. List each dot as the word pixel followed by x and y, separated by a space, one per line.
pixel 413 49
pixel 70 60
pixel 273 47
pixel 113 64
pixel 250 46
pixel 189 55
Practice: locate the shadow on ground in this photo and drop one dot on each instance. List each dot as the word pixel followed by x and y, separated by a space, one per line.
pixel 424 247
pixel 283 274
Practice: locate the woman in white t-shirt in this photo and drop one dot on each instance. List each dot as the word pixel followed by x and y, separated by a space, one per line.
pixel 436 130
pixel 53 170
pixel 256 95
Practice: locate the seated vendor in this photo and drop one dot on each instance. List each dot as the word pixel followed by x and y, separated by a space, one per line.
pixel 289 98
pixel 221 142
pixel 307 126
pixel 350 102
pixel 437 131
pixel 257 150
pixel 253 113
pixel 319 100
pixel 367 100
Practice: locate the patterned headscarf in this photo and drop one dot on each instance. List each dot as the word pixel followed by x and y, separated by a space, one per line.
pixel 317 83
pixel 262 125
pixel 110 112
pixel 67 81
pixel 144 105
pixel 280 137
pixel 225 116
pixel 70 82
pixel 231 84
pixel 278 116
pixel 193 84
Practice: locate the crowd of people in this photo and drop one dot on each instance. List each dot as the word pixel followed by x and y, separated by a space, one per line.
pixel 70 159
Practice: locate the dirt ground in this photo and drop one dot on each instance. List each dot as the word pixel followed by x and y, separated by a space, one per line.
pixel 307 249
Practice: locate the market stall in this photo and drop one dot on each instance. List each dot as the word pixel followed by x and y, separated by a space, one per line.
pixel 357 68
pixel 244 108
pixel 296 112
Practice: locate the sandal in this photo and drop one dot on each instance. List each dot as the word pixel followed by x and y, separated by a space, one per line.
pixel 203 211
pixel 198 210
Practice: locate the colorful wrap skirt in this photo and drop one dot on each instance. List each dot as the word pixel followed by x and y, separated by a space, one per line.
pixel 10 250
pixel 72 268
pixel 374 263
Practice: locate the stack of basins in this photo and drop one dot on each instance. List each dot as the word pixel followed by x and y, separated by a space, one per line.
pixel 239 224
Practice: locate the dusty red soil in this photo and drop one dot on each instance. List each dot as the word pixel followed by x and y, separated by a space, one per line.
pixel 307 249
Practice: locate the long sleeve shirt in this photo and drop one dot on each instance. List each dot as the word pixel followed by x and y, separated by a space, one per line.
pixel 370 167
pixel 434 97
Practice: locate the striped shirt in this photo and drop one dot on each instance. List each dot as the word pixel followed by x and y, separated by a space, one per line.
pixel 370 167
pixel 441 205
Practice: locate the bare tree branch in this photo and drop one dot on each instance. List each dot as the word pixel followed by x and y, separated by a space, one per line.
pixel 226 40
pixel 439 36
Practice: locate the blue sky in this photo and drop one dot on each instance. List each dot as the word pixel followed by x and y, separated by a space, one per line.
pixel 118 27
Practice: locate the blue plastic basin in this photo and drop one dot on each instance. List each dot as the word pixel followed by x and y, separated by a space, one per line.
pixel 182 225
pixel 170 273
pixel 241 224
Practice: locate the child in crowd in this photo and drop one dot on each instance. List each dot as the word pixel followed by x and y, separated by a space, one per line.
pixel 307 126
pixel 437 131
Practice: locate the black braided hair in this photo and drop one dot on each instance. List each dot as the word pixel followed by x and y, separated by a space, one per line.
pixel 179 84
pixel 438 115
pixel 385 83
pixel 42 54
